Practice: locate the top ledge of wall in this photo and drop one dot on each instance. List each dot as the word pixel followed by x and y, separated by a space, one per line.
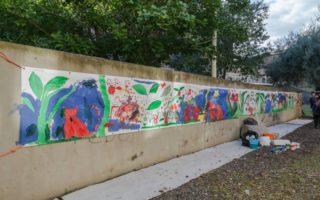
pixel 53 59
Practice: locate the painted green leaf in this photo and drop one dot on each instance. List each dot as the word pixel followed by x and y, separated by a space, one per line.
pixel 154 88
pixel 140 89
pixel 28 103
pixel 31 130
pixel 36 85
pixel 55 83
pixel 154 105
pixel 59 131
pixel 166 91
pixel 176 89
pixel 181 88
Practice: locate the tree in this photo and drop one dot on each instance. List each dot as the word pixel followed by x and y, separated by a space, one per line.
pixel 240 36
pixel 241 31
pixel 177 33
pixel 298 58
pixel 139 31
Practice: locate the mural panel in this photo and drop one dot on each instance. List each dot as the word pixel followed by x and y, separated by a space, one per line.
pixel 59 106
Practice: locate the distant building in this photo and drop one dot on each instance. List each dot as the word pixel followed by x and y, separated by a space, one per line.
pixel 260 79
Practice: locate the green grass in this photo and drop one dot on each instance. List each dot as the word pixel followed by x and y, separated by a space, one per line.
pixel 307 111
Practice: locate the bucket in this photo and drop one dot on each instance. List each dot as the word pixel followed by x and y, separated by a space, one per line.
pixel 254 143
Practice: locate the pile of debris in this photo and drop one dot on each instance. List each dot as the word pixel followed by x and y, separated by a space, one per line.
pixel 254 135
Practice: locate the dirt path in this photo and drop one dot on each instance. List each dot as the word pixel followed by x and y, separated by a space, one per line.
pixel 262 174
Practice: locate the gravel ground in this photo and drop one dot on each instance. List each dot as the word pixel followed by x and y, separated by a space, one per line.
pixel 262 174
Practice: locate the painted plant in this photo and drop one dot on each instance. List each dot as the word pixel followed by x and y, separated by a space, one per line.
pixel 56 112
pixel 38 128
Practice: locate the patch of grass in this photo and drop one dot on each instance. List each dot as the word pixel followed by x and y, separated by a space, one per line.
pixel 307 110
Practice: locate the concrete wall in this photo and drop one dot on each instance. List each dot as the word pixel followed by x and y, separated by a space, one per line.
pixel 44 172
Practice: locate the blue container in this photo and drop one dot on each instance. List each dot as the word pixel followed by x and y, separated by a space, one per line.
pixel 254 143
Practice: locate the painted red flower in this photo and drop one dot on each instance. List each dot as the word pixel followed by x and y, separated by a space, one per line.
pixel 111 89
pixel 215 111
pixel 196 111
pixel 73 127
pixel 189 92
pixel 174 107
pixel 163 85
pixel 187 114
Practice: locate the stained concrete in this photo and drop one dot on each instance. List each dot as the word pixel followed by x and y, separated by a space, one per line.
pixel 150 182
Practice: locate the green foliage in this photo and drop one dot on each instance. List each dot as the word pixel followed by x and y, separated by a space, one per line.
pixel 177 33
pixel 240 36
pixel 298 58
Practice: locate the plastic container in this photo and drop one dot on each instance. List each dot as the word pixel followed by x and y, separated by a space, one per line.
pixel 294 146
pixel 281 142
pixel 272 136
pixel 254 143
pixel 265 141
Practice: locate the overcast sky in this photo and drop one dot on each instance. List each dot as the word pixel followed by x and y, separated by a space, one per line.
pixel 289 15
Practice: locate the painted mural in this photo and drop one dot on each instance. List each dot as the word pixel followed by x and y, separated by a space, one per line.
pixel 62 106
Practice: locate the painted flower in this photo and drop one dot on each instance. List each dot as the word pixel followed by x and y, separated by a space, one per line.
pixel 189 92
pixel 174 106
pixel 163 85
pixel 216 93
pixel 73 127
pixel 214 112
pixel 111 89
pixel 234 97
pixel 195 113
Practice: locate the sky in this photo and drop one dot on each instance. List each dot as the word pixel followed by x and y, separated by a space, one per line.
pixel 289 15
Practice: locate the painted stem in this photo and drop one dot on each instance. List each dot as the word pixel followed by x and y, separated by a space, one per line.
pixel 42 118
pixel 106 101
pixel 42 122
pixel 58 104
